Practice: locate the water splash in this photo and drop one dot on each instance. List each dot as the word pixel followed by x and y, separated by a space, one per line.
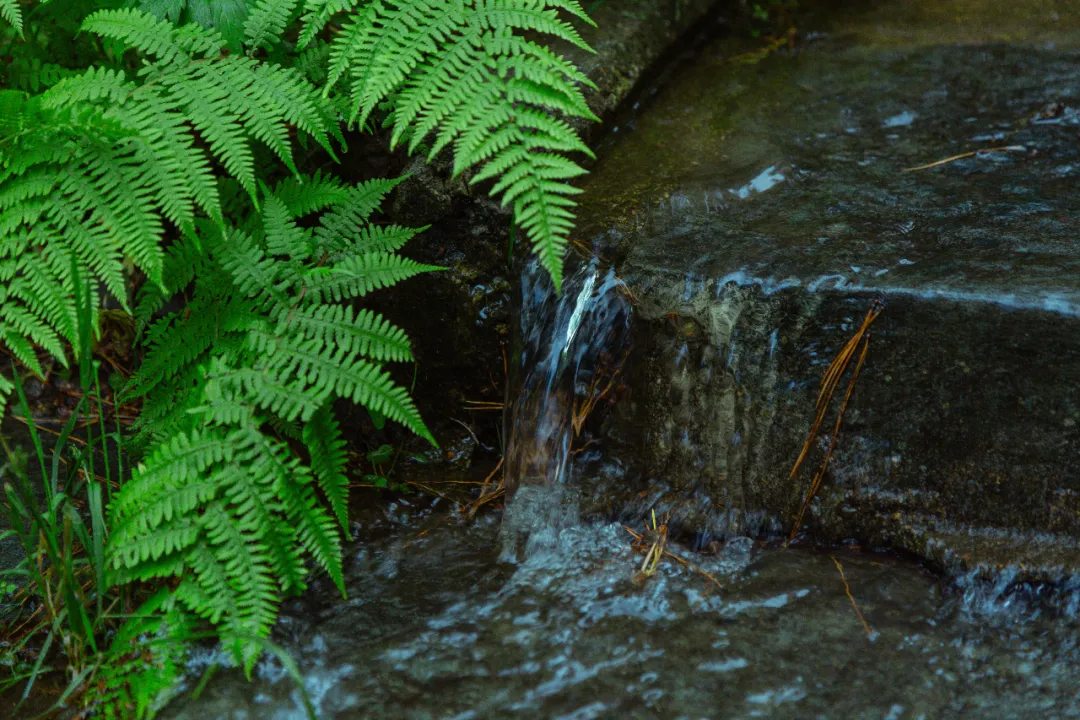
pixel 571 345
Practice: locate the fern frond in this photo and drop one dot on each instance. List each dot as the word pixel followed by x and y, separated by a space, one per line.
pixel 183 259
pixel 327 449
pixel 227 17
pixel 255 493
pixel 157 38
pixel 234 391
pixel 242 558
pixel 144 660
pixel 99 165
pixel 358 275
pixel 183 458
pixel 316 530
pixel 359 380
pixel 21 327
pixel 33 75
pixel 223 499
pixel 10 11
pixel 363 333
pixel 306 196
pixel 469 73
pixel 283 235
pixel 182 345
pixel 266 22
pixel 317 13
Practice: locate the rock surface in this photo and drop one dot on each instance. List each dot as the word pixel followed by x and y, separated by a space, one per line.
pixel 459 319
pixel 757 209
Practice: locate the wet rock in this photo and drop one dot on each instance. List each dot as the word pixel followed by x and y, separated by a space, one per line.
pixel 566 633
pixel 756 213
pixel 461 319
pixel 630 38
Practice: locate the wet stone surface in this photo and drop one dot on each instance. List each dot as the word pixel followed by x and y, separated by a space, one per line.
pixel 780 202
pixel 755 211
pixel 435 628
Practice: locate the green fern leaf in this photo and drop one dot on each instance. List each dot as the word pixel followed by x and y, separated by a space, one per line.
pixel 468 72
pixel 317 14
pixel 317 531
pixel 254 491
pixel 283 235
pixel 267 21
pixel 307 196
pixel 10 11
pixel 327 448
pixel 262 350
pixel 363 333
pixel 154 37
pixel 358 275
pixel 242 559
pixel 225 16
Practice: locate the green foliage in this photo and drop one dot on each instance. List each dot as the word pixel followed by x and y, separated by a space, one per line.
pixel 99 165
pixel 266 344
pixel 227 17
pixel 467 74
pixel 267 21
pixel 10 11
pixel 138 670
pixel 142 146
pixel 63 555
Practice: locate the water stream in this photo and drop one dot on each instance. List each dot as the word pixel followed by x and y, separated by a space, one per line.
pixel 539 611
pixel 435 627
pixel 571 346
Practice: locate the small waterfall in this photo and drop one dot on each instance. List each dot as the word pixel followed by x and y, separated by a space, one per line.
pixel 570 346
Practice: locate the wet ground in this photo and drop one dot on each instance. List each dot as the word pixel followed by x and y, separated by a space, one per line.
pixel 436 627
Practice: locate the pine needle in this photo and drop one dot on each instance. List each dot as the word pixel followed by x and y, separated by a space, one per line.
pixel 847 589
pixel 961 156
pixel 829 383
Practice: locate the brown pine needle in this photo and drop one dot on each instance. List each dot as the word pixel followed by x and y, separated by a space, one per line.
pixel 961 156
pixel 819 477
pixel 415 538
pixel 580 412
pixel 491 475
pixel 829 383
pixel 639 538
pixel 482 405
pixel 485 496
pixel 847 589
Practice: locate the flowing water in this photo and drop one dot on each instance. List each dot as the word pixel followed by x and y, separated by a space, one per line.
pixel 571 347
pixel 451 619
pixel 435 627
pixel 542 611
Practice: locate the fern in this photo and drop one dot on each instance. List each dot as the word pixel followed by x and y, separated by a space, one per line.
pixel 463 73
pixel 148 170
pixel 142 662
pixel 227 17
pixel 223 501
pixel 100 166
pixel 267 21
pixel 10 11
pixel 30 74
